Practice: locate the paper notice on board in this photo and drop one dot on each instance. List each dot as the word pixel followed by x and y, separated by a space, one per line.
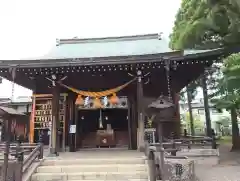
pixel 72 128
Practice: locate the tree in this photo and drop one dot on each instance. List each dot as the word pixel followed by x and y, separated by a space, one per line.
pixel 191 93
pixel 206 24
pixel 227 94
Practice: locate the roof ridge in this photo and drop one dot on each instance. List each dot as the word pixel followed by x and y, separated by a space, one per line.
pixel 109 39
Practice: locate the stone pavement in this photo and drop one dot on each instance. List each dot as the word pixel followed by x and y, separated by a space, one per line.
pixel 218 173
pixel 227 170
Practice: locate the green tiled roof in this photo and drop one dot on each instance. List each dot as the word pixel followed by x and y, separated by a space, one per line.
pixel 106 47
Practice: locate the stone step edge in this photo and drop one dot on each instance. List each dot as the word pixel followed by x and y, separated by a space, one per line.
pixel 91 173
pixel 93 166
pixel 114 180
pixel 95 159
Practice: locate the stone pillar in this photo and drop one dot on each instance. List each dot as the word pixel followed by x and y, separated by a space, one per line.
pixel 140 111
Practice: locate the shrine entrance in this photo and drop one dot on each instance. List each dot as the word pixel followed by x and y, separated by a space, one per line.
pixel 101 128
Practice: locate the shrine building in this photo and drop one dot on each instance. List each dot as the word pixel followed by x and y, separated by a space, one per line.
pixel 90 93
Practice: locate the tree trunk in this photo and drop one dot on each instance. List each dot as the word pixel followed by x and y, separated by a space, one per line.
pixel 206 106
pixel 235 131
pixel 189 99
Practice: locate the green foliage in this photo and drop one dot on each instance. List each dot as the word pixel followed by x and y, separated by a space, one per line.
pixel 206 24
pixel 196 120
pixel 227 93
pixel 224 121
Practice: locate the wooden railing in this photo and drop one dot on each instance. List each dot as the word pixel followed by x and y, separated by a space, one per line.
pixel 158 153
pixel 18 159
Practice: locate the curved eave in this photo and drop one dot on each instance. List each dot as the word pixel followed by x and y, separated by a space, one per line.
pixel 87 61
pixel 199 55
pixel 216 53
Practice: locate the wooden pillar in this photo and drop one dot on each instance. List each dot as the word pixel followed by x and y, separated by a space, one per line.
pixel 32 120
pixel 140 115
pixel 67 115
pixel 32 116
pixel 130 146
pixel 133 122
pixel 77 126
pixel 63 135
pixel 55 140
pixel 177 120
pixel 80 131
pixel 72 136
pixel 189 100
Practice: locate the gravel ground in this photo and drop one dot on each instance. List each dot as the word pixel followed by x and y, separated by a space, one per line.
pixel 218 173
pixel 227 170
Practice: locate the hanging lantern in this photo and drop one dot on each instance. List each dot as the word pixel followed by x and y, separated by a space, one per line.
pixel 97 103
pixel 114 99
pixel 79 100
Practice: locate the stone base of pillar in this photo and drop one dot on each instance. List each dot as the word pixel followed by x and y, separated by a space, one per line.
pixel 53 153
pixel 141 146
pixel 141 149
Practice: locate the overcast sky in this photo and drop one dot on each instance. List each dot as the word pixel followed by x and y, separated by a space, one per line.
pixel 29 28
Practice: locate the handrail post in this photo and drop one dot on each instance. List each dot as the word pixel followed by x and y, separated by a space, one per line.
pixel 173 152
pixel 19 164
pixel 214 144
pixel 152 166
pixel 18 147
pixel 160 151
pixel 185 133
pixel 41 147
pixel 6 151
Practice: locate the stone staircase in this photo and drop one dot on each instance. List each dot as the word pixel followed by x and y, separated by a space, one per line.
pixel 108 167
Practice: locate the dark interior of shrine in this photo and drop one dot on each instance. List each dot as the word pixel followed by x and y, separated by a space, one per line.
pixel 89 124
